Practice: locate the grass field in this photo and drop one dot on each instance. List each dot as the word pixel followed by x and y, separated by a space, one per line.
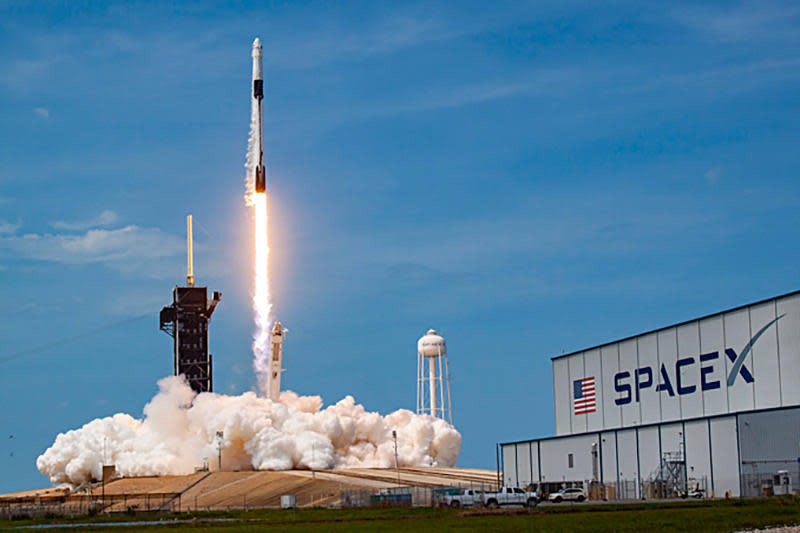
pixel 679 516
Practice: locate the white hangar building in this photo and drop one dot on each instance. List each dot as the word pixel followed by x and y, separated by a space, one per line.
pixel 712 403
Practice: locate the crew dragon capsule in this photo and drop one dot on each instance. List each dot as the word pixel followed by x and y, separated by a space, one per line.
pixel 258 95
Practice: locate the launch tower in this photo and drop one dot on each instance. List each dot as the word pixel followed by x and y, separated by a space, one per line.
pixel 186 321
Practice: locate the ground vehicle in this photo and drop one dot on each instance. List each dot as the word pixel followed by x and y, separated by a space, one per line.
pixel 693 493
pixel 510 496
pixel 574 494
pixel 782 483
pixel 465 498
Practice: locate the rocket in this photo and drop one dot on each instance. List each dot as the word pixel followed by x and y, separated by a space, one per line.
pixel 258 96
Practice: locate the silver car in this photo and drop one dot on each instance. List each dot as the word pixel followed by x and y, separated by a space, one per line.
pixel 575 495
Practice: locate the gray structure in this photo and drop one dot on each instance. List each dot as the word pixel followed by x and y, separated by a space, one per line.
pixel 711 403
pixel 186 321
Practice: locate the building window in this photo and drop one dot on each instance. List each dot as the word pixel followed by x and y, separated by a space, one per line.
pixel 570 460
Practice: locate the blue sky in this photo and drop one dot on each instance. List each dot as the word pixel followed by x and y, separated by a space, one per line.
pixel 528 178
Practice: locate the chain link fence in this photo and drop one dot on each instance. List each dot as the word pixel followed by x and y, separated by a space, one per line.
pixel 89 504
pixel 761 485
pixel 408 496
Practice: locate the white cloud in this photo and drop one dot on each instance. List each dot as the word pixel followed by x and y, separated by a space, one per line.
pixel 728 78
pixel 747 21
pixel 129 249
pixel 456 97
pixel 105 218
pixel 42 112
pixel 329 43
pixel 7 228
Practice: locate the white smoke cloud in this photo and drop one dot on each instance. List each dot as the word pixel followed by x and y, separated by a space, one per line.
pixel 179 431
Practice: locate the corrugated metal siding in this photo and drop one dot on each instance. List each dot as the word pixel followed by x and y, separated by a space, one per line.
pixel 509 455
pixel 711 447
pixel 725 455
pixel 770 436
pixel 524 470
pixel 773 362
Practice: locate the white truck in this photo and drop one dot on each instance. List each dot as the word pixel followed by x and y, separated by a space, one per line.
pixel 510 496
pixel 465 498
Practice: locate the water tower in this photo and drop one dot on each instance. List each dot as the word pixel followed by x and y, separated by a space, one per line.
pixel 433 385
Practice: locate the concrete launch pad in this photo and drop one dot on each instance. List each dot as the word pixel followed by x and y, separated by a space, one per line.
pixel 252 489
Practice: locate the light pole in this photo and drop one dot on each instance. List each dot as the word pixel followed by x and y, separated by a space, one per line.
pixel 396 465
pixel 219 450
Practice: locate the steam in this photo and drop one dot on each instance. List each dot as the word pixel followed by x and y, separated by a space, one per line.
pixel 295 433
pixel 251 160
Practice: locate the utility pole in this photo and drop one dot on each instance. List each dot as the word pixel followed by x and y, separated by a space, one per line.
pixel 103 473
pixel 497 457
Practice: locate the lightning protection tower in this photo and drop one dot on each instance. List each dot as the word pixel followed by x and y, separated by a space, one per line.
pixel 433 385
pixel 186 321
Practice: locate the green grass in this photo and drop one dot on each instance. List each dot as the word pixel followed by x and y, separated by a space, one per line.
pixel 678 516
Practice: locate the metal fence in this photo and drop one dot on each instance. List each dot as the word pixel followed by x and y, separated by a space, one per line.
pixel 625 489
pixel 759 485
pixel 26 511
pixel 408 496
pixel 87 504
pixel 391 497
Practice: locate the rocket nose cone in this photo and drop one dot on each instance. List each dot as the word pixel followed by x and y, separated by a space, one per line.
pixel 257 43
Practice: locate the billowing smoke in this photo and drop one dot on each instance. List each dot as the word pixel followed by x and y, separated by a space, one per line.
pixel 179 433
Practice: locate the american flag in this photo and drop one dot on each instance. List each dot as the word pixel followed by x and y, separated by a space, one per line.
pixel 584 396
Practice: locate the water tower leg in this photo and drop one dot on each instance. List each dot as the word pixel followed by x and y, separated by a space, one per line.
pixel 420 387
pixel 449 398
pixel 441 387
pixel 432 377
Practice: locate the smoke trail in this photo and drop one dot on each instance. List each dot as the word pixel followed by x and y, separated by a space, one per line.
pixel 262 301
pixel 251 160
pixel 257 433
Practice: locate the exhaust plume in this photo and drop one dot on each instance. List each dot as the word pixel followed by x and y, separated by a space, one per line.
pixel 258 434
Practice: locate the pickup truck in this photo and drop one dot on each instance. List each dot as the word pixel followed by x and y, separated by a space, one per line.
pixel 465 498
pixel 510 496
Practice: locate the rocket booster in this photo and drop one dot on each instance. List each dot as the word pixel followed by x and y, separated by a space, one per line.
pixel 258 97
